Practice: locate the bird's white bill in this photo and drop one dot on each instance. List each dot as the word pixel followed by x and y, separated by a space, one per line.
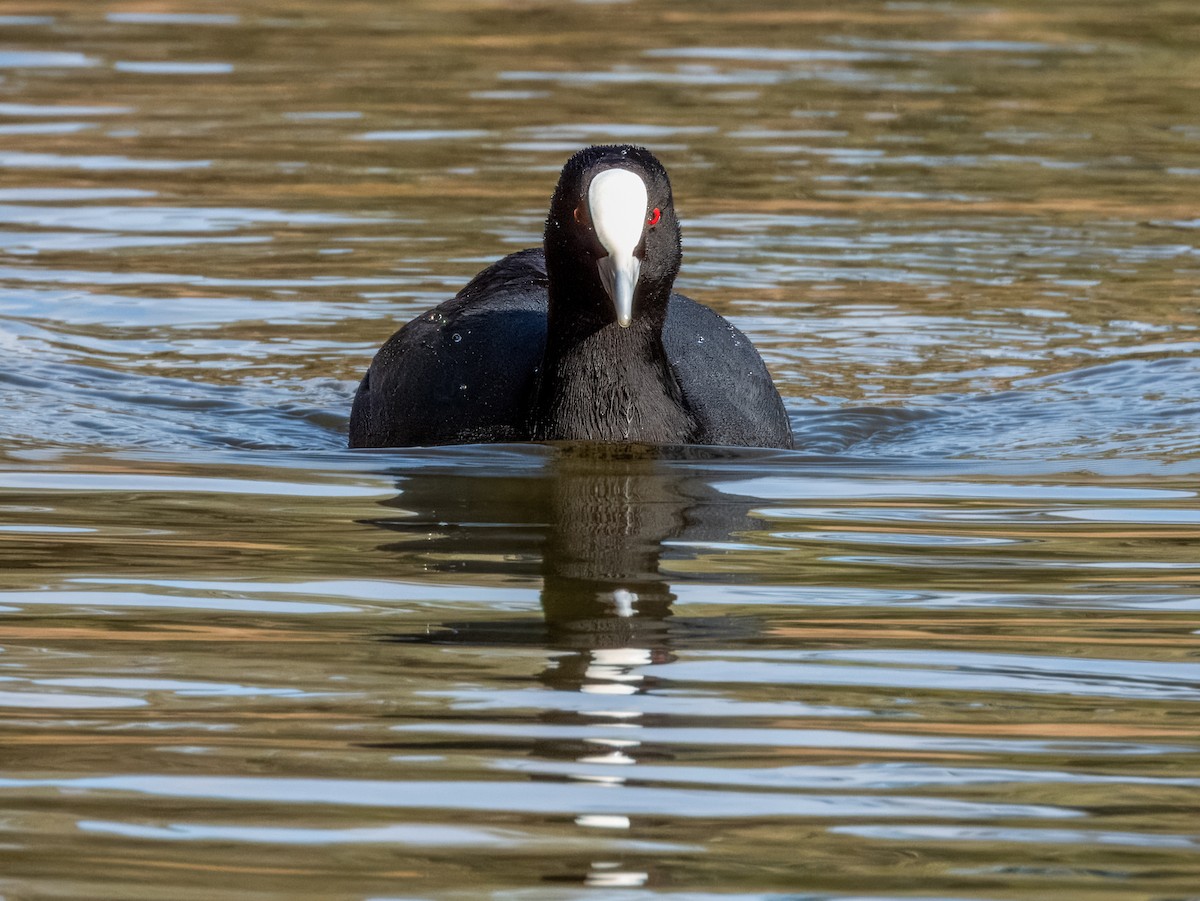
pixel 617 202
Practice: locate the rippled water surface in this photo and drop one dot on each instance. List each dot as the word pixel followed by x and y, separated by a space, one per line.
pixel 948 649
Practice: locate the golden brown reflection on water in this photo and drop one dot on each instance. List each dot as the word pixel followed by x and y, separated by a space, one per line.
pixel 948 650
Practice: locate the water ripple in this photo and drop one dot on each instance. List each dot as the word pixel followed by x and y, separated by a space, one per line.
pixel 546 798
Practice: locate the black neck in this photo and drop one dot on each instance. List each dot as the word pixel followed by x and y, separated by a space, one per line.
pixel 601 382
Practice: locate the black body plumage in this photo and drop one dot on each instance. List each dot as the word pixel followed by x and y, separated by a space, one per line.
pixel 531 349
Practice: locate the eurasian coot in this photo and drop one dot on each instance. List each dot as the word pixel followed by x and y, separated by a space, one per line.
pixel 581 340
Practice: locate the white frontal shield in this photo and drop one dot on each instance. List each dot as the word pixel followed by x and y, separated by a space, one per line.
pixel 617 202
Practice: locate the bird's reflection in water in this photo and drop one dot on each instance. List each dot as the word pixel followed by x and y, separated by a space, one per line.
pixel 595 523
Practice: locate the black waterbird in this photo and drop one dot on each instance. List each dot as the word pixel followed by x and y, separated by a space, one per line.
pixel 580 340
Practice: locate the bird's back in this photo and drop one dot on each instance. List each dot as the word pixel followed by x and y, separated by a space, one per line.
pixel 464 372
pixel 725 382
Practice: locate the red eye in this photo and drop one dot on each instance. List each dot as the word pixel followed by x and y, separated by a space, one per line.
pixel 653 218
